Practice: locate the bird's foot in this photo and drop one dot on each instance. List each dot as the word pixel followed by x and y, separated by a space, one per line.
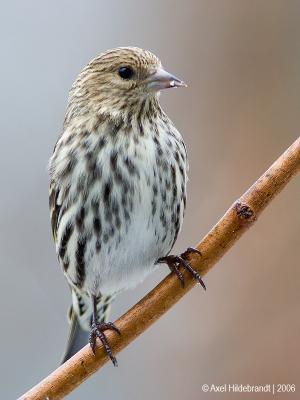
pixel 175 262
pixel 97 331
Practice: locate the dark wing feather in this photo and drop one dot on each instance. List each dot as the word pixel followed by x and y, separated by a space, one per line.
pixel 54 208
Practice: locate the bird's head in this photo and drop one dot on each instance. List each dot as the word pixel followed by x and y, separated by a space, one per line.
pixel 118 82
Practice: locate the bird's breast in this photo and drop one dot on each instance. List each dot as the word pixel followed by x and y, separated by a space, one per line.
pixel 126 201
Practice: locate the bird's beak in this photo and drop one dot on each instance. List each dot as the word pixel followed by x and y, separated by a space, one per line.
pixel 162 79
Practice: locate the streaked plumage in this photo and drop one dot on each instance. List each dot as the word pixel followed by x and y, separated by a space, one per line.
pixel 117 180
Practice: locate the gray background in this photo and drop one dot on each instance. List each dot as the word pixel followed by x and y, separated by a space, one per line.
pixel 241 60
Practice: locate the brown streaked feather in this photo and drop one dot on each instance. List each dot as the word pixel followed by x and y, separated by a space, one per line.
pixel 54 208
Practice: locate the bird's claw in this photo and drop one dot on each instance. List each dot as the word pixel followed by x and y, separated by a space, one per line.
pixel 97 331
pixel 191 250
pixel 175 262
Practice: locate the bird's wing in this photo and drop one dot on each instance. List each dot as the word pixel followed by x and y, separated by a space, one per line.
pixel 54 207
pixel 78 337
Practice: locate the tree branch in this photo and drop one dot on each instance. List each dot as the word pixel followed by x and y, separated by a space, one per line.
pixel 239 217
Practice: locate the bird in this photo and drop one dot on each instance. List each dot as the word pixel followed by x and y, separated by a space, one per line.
pixel 117 194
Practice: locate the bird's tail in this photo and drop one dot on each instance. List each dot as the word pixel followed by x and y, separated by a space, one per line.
pixel 78 337
pixel 80 320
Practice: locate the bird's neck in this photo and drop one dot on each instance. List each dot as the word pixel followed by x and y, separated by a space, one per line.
pixel 133 112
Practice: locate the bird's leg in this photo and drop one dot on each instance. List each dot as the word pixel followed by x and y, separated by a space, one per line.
pixel 97 331
pixel 175 262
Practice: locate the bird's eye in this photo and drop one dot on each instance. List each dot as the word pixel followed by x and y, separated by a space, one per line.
pixel 126 72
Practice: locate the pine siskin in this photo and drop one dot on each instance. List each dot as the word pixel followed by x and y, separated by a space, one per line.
pixel 117 187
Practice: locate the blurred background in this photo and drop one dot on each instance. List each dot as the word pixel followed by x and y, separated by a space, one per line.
pixel 241 60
